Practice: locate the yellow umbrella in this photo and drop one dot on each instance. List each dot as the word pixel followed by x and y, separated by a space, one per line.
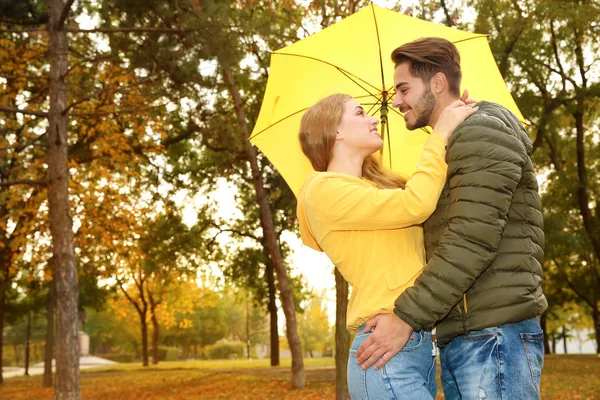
pixel 353 57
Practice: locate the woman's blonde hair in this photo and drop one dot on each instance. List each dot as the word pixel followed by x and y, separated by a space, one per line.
pixel 318 129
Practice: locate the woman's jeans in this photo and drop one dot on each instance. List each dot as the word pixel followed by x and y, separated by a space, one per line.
pixel 503 362
pixel 410 375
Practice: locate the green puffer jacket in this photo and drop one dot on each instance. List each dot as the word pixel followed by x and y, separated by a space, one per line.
pixel 485 240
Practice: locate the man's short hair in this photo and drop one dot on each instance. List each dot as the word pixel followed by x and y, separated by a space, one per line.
pixel 428 56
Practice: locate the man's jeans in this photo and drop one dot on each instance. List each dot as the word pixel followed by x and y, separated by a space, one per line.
pixel 409 375
pixel 497 363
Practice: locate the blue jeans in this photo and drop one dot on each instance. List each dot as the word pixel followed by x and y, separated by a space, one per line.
pixel 410 375
pixel 498 363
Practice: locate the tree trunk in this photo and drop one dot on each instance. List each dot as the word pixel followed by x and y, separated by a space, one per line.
pixel 543 323
pixel 142 311
pixel 155 337
pixel 17 354
pixel 564 337
pixel 553 344
pixel 247 332
pixel 3 285
pixel 61 221
pixel 155 328
pixel 144 331
pixel 342 338
pixel 596 317
pixel 266 219
pixel 27 343
pixel 48 353
pixel 274 329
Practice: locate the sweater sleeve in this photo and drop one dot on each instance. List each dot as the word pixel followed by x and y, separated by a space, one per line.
pixel 484 168
pixel 350 204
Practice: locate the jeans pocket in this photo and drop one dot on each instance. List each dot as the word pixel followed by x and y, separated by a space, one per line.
pixel 414 342
pixel 533 343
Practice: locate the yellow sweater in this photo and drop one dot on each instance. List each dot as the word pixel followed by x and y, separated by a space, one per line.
pixel 373 236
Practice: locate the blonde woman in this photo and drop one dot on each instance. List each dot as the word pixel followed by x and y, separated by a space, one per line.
pixel 368 222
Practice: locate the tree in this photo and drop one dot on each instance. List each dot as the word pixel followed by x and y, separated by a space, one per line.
pixel 249 265
pixel 109 331
pixel 60 217
pixel 220 47
pixel 196 317
pixel 342 337
pixel 166 251
pixel 314 326
pixel 21 162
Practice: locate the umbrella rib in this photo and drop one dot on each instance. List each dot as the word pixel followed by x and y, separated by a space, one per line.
pixel 378 47
pixel 304 109
pixel 379 109
pixel 347 73
pixel 275 123
pixel 372 107
pixel 387 130
pixel 471 38
pixel 358 84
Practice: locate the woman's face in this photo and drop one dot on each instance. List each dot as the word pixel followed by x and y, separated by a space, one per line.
pixel 358 130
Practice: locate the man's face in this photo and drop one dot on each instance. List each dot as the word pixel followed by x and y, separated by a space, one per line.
pixel 413 98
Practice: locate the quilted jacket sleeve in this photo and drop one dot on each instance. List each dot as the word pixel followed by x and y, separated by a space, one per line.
pixel 485 163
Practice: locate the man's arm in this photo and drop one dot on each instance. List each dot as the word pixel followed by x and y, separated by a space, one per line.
pixel 484 169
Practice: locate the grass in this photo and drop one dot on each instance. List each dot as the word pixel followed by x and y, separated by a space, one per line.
pixel 213 365
pixel 564 378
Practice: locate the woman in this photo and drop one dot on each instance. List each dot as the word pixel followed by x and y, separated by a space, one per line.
pixel 367 220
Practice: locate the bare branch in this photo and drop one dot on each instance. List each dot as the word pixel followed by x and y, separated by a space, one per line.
pixel 541 132
pixel 26 76
pixel 570 284
pixel 561 70
pixel 240 233
pixel 135 303
pixel 26 112
pixel 25 182
pixel 27 30
pixel 446 13
pixel 99 92
pixel 21 147
pixel 558 165
pixel 134 29
pixel 116 112
pixel 64 15
pixel 42 20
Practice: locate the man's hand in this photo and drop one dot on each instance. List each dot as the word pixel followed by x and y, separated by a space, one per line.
pixel 389 337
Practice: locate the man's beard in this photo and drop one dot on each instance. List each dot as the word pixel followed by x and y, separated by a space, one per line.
pixel 424 110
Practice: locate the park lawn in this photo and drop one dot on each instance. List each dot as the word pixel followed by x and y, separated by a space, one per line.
pixel 216 365
pixel 565 377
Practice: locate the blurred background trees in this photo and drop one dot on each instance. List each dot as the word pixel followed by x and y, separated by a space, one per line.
pixel 159 101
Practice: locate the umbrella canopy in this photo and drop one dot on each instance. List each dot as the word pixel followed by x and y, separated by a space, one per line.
pixel 353 57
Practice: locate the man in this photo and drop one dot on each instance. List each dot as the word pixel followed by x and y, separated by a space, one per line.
pixel 481 287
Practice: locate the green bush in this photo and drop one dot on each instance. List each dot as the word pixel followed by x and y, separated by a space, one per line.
pixel 225 350
pixel 166 353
